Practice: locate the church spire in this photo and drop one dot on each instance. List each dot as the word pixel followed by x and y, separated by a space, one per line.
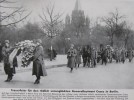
pixel 77 5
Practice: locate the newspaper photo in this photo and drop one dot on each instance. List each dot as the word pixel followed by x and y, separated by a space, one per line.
pixel 66 50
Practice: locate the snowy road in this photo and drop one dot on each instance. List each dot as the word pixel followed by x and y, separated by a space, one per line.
pixel 112 76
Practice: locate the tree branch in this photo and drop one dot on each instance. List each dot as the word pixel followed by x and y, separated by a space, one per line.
pixel 17 21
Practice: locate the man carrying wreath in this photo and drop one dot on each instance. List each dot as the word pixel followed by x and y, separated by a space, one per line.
pixel 38 62
pixel 6 50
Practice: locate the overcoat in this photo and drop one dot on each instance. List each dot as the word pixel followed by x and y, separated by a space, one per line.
pixel 93 54
pixel 6 51
pixel 71 56
pixel 93 57
pixel 38 62
pixel 78 57
pixel 117 55
pixel 0 53
pixel 109 53
pixel 123 55
pixel 130 54
pixel 104 55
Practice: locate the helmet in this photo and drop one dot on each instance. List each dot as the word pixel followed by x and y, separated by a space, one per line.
pixel 39 41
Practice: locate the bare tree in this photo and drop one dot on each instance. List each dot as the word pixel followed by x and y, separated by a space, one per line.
pixel 114 25
pixel 51 22
pixel 11 15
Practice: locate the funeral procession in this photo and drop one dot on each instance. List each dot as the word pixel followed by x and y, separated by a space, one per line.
pixel 67 44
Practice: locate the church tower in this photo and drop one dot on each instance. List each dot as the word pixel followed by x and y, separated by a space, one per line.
pixel 77 23
pixel 77 12
pixel 77 5
pixel 78 18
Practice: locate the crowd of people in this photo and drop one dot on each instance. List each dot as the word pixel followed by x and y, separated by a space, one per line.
pixel 91 56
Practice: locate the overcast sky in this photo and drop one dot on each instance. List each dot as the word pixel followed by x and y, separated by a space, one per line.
pixel 92 8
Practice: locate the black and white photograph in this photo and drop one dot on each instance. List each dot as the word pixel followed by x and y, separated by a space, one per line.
pixel 67 44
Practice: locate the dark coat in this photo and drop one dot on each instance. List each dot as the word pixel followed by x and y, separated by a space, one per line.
pixel 78 57
pixel 123 55
pixel 38 62
pixel 130 54
pixel 104 55
pixel 0 53
pixel 85 53
pixel 118 55
pixel 6 51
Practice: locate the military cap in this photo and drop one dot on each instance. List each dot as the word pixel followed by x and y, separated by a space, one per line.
pixel 6 41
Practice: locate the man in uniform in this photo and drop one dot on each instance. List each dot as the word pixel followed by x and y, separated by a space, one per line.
pixel 109 50
pixel 85 55
pixel 88 55
pixel 117 55
pixel 6 50
pixel 93 57
pixel 38 62
pixel 104 56
pixel 130 54
pixel 71 56
pixel 0 51
pixel 78 57
pixel 123 55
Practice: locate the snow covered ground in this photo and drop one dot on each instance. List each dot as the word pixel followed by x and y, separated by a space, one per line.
pixel 111 76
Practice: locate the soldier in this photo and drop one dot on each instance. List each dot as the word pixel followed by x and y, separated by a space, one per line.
pixel 6 50
pixel 98 55
pixel 123 55
pixel 104 56
pixel 78 56
pixel 38 62
pixel 109 50
pixel 71 56
pixel 130 54
pixel 117 55
pixel 0 51
pixel 88 55
pixel 120 55
pixel 84 56
pixel 101 53
pixel 54 53
pixel 93 57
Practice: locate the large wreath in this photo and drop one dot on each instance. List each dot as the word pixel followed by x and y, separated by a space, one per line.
pixel 27 49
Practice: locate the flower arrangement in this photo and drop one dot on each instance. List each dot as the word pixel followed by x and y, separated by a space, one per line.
pixel 27 47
